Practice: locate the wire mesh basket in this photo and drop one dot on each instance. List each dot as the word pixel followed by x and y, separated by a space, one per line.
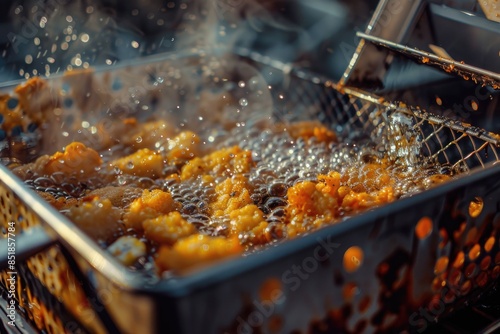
pixel 418 258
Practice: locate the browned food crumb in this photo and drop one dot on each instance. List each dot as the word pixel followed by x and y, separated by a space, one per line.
pixel 128 249
pixel 33 169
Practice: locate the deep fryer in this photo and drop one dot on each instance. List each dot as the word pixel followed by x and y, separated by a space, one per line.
pixel 406 280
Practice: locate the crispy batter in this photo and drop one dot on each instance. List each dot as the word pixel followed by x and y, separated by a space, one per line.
pixel 143 162
pixel 34 169
pixel 150 205
pixel 167 229
pixel 232 194
pixel 308 208
pixel 76 160
pixel 36 99
pixel 309 129
pixel 250 220
pixel 183 147
pixel 98 218
pixel 311 205
pixel 147 135
pixel 196 249
pixel 224 162
pixel 128 249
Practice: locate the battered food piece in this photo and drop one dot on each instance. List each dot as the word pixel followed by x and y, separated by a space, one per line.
pixel 224 162
pixel 77 162
pixel 98 218
pixel 197 249
pixel 128 249
pixel 143 162
pixel 167 229
pixel 150 205
pixel 232 194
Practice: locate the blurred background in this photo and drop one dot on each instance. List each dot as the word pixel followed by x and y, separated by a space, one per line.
pixel 43 37
pixel 40 37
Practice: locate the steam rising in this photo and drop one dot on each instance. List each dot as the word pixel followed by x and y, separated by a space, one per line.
pixel 204 88
pixel 199 86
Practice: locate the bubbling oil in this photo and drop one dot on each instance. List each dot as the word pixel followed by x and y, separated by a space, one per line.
pixel 280 160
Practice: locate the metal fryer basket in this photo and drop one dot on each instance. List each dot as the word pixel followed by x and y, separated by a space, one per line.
pixel 406 279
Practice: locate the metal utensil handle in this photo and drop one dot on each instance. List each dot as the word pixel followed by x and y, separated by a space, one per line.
pixel 484 77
